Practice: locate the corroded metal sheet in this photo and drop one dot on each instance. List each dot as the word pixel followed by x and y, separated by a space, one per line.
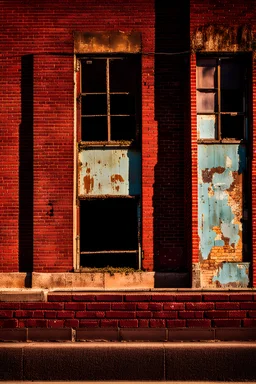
pixel 108 171
pixel 220 175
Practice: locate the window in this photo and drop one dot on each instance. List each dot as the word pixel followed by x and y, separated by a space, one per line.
pixel 109 165
pixel 222 98
pixel 110 98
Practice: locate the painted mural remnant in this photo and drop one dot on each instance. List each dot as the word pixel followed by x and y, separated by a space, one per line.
pixel 220 191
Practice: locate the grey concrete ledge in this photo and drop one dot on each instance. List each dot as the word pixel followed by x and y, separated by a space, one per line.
pixel 203 361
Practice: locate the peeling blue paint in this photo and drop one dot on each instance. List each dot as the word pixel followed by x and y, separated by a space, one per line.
pixel 216 166
pixel 230 273
pixel 216 155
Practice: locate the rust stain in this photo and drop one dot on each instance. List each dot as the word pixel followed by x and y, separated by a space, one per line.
pixel 207 173
pixel 115 178
pixel 225 239
pixel 222 38
pixel 237 179
pixel 88 181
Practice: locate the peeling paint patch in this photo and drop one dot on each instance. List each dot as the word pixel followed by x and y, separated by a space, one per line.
pixel 220 176
pixel 232 275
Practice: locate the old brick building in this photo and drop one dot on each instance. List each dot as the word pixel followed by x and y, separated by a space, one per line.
pixel 127 162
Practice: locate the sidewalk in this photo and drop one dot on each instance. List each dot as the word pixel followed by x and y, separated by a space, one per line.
pixel 128 361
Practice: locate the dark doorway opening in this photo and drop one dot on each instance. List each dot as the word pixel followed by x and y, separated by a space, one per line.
pixel 109 233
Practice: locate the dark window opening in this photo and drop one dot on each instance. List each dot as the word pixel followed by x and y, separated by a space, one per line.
pixel 222 98
pixel 110 95
pixel 109 232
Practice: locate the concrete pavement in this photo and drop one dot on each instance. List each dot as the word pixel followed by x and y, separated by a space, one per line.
pixel 128 361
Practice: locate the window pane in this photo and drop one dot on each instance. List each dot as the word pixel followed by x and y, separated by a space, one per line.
pixel 232 74
pixel 94 75
pixel 206 101
pixel 122 105
pixel 94 129
pixel 232 127
pixel 206 126
pixel 123 128
pixel 123 74
pixel 231 100
pixel 206 73
pixel 94 105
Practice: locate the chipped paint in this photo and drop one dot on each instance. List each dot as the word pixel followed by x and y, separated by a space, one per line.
pixel 220 176
pixel 232 275
pixel 109 171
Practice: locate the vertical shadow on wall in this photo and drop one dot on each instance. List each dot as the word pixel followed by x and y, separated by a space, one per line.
pixel 171 111
pixel 26 168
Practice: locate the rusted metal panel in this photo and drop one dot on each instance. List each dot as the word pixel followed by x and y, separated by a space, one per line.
pixel 220 175
pixel 107 42
pixel 105 171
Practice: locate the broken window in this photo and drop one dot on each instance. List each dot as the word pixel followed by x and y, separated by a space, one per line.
pixel 110 98
pixel 109 232
pixel 222 98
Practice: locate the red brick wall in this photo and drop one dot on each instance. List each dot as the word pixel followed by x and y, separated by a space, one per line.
pixel 37 100
pixel 37 123
pixel 229 14
pixel 225 315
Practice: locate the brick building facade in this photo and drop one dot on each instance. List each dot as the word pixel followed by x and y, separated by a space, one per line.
pixel 127 161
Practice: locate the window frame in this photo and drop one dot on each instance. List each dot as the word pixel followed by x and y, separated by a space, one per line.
pixel 218 89
pixel 136 140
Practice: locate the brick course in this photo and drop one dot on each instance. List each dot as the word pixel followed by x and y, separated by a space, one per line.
pixel 115 314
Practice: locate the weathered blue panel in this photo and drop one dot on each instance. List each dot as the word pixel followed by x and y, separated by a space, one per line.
pixel 220 209
pixel 109 171
pixel 232 274
pixel 206 126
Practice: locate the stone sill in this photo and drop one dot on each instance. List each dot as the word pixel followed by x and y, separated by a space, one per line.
pixel 95 280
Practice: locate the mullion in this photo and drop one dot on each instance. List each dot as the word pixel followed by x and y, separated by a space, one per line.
pixel 218 101
pixel 108 100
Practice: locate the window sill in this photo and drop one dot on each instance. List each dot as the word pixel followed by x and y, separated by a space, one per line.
pixel 224 141
pixel 118 144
